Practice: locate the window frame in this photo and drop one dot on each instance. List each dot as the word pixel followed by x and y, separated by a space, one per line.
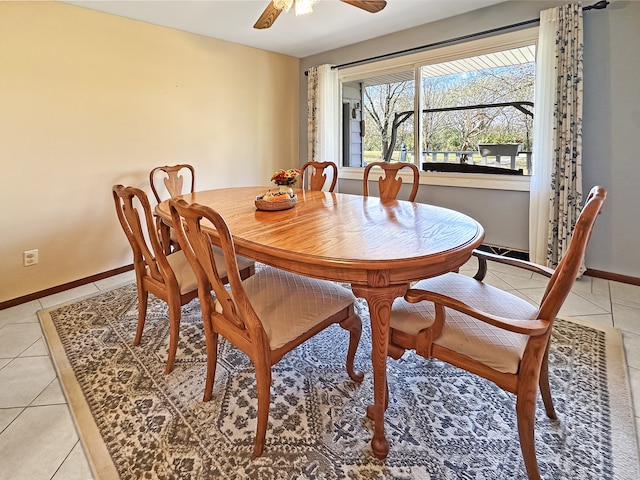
pixel 414 61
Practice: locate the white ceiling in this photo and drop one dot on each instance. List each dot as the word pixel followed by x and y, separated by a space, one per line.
pixel 332 24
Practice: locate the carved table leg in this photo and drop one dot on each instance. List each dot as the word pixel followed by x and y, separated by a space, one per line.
pixel 379 300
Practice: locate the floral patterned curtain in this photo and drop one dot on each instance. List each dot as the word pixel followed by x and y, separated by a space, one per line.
pixel 312 112
pixel 556 183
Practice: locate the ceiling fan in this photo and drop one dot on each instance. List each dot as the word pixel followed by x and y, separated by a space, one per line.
pixel 275 7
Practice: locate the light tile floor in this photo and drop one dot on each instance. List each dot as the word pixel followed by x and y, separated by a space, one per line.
pixel 37 436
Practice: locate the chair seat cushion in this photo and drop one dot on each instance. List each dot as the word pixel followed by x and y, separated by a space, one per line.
pixel 243 262
pixel 289 305
pixel 497 348
pixel 187 280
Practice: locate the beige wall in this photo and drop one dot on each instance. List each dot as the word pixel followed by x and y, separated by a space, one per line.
pixel 88 100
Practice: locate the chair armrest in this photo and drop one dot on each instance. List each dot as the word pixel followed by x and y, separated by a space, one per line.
pixel 515 262
pixel 524 326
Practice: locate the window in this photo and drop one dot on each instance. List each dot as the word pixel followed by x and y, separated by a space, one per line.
pixel 475 102
pixel 370 107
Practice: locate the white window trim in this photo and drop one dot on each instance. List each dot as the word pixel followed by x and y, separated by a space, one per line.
pixel 488 181
pixel 415 61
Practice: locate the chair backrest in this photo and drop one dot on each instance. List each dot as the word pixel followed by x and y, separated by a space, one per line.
pixel 568 269
pixel 389 185
pixel 173 179
pixel 318 176
pixel 234 306
pixel 141 228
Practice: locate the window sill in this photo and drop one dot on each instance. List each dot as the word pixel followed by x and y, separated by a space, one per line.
pixel 464 180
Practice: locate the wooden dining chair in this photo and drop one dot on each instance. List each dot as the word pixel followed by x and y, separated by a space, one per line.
pixel 166 182
pixel 389 185
pixel 493 333
pixel 267 315
pixel 316 175
pixel 169 181
pixel 168 277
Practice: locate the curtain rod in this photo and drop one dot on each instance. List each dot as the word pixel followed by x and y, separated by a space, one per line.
pixel 602 4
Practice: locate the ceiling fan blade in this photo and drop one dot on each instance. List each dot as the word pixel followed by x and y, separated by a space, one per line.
pixel 371 6
pixel 268 16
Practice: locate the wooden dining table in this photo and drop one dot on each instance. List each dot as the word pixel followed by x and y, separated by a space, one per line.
pixel 377 246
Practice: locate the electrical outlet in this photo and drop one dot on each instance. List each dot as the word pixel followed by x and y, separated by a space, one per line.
pixel 30 257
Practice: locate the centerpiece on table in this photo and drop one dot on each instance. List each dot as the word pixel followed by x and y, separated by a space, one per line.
pixel 284 198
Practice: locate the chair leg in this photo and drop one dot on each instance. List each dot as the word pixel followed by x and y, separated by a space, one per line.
pixel 545 389
pixel 263 387
pixel 143 297
pixel 174 332
pixel 212 361
pixel 525 411
pixel 353 325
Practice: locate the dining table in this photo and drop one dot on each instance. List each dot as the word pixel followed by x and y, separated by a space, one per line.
pixel 377 246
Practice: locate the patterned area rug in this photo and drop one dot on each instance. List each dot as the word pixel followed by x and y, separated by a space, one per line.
pixel 442 423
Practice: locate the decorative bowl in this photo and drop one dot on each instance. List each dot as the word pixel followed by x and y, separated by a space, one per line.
pixel 275 205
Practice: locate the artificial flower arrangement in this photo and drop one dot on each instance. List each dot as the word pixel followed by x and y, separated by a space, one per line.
pixel 286 177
